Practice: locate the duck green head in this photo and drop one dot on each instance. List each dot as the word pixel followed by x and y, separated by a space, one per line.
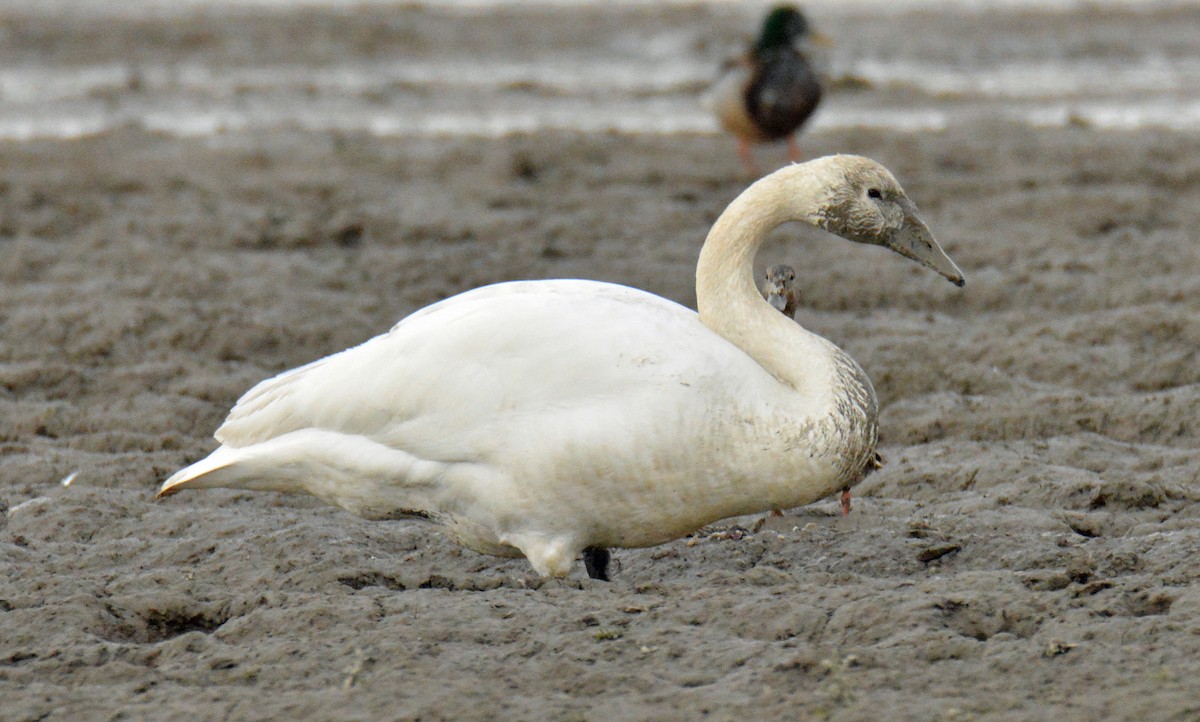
pixel 782 27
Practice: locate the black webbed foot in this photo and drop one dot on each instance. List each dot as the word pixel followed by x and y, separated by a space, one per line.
pixel 595 560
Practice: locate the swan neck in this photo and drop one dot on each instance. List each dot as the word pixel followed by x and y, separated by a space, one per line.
pixel 726 294
pixel 726 265
pixel 818 381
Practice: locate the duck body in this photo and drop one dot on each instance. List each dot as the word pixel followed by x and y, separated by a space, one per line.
pixel 767 97
pixel 549 418
pixel 769 93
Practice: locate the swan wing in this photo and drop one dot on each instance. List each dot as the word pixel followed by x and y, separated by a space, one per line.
pixel 466 377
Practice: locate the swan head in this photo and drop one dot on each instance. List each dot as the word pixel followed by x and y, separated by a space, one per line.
pixel 866 204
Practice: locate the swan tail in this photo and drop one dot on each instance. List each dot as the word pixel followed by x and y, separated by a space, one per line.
pixel 220 468
pixel 364 477
pixel 292 463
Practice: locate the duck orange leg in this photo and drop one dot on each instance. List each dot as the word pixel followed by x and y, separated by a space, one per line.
pixel 793 150
pixel 747 158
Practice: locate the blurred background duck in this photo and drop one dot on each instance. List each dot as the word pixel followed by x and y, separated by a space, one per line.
pixel 768 93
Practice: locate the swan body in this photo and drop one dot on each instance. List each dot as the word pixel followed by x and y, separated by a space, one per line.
pixel 768 93
pixel 547 418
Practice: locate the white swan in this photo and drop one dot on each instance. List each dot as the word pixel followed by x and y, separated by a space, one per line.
pixel 554 418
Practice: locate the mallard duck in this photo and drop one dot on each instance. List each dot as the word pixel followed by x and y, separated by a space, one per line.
pixel 767 94
pixel 561 418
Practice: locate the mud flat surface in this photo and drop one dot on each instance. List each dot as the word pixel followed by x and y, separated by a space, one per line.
pixel 1028 551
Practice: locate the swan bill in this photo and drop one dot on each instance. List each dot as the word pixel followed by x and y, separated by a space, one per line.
pixel 914 240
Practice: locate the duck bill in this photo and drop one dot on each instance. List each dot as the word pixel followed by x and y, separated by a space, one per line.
pixel 913 240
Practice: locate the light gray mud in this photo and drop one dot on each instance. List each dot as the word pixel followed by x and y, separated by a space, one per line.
pixel 1027 552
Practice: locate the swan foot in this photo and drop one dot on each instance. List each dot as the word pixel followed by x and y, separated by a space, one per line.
pixel 758 525
pixel 846 501
pixel 550 557
pixel 595 560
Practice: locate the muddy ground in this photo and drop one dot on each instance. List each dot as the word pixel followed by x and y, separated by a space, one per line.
pixel 1028 551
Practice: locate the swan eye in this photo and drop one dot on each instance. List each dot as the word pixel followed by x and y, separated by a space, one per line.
pixel 874 193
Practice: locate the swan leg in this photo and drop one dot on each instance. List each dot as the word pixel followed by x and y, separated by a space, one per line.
pixel 549 556
pixel 747 158
pixel 595 560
